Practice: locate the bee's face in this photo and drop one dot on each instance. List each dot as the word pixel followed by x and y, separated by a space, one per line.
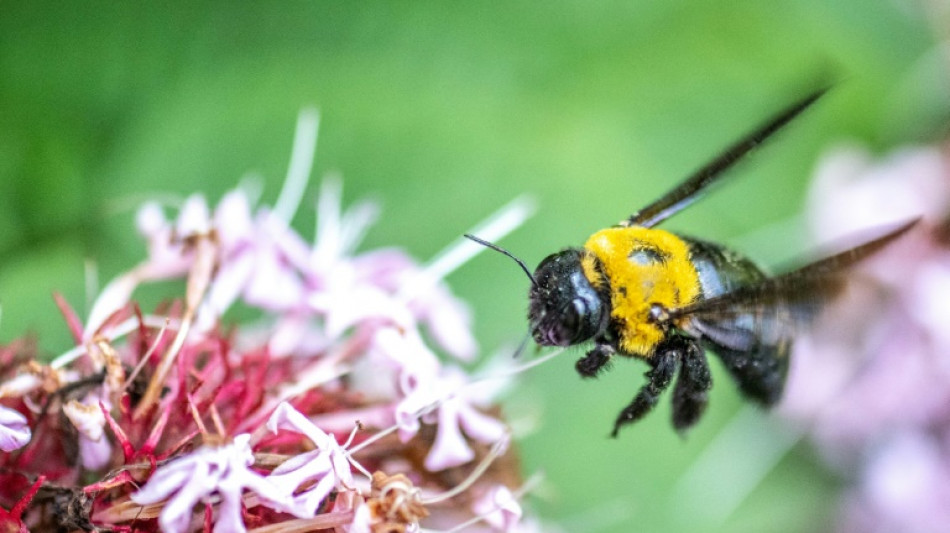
pixel 564 308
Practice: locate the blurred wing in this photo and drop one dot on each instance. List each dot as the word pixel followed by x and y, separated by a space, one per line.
pixel 687 192
pixel 773 310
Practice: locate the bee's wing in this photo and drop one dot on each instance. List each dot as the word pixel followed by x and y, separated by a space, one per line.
pixel 750 329
pixel 771 311
pixel 688 191
pixel 768 313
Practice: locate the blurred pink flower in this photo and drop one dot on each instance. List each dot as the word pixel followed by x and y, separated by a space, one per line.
pixel 903 486
pixel 872 381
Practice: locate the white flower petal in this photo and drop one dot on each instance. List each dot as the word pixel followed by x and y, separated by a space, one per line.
pixel 499 508
pixel 88 419
pixel 229 282
pixel 274 285
pixel 113 297
pixel 449 321
pixel 14 431
pixel 20 384
pixel 357 220
pixel 286 417
pixel 223 470
pixel 449 448
pixel 479 426
pixel 150 220
pixel 232 220
pixel 95 454
pixel 286 242
pixel 362 521
pixel 329 464
pixel 228 519
pixel 194 218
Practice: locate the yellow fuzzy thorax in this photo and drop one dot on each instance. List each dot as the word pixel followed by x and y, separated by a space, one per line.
pixel 642 266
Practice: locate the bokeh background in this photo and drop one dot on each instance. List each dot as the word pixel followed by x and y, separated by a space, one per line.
pixel 444 112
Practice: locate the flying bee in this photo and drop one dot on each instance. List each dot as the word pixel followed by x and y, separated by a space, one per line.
pixel 665 298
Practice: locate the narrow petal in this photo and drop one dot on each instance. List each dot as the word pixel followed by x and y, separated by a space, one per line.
pixel 232 220
pixel 449 448
pixel 308 466
pixel 194 218
pixel 161 485
pixel 357 220
pixel 310 500
pixel 113 297
pixel 479 426
pixel 230 280
pixel 286 417
pixel 228 518
pixel 177 513
pixel 362 521
pixel 450 323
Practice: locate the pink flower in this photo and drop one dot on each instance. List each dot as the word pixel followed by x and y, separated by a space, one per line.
pixel 446 399
pixel 902 488
pixel 210 470
pixel 328 464
pixel 872 381
pixel 346 335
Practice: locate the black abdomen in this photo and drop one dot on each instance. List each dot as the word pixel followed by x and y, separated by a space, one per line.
pixel 759 365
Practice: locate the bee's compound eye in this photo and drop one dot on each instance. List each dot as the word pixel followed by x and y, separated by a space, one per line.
pixel 564 308
pixel 576 322
pixel 568 320
pixel 572 316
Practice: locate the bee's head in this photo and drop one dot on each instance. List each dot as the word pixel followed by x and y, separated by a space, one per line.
pixel 564 307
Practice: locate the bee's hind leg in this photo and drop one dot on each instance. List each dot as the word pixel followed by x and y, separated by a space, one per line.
pixel 664 362
pixel 692 386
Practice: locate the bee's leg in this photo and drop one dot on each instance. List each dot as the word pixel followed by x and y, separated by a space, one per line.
pixel 658 379
pixel 595 360
pixel 692 386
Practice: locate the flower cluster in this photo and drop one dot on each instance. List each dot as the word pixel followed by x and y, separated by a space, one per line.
pixel 343 407
pixel 872 383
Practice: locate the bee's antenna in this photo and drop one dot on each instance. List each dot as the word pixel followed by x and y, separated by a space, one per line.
pixel 522 346
pixel 506 252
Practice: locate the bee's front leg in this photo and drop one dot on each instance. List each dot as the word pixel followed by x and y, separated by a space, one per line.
pixel 595 360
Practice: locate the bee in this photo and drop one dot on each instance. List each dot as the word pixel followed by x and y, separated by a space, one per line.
pixel 666 298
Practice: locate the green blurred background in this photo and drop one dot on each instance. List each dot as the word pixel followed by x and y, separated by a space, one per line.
pixel 445 111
